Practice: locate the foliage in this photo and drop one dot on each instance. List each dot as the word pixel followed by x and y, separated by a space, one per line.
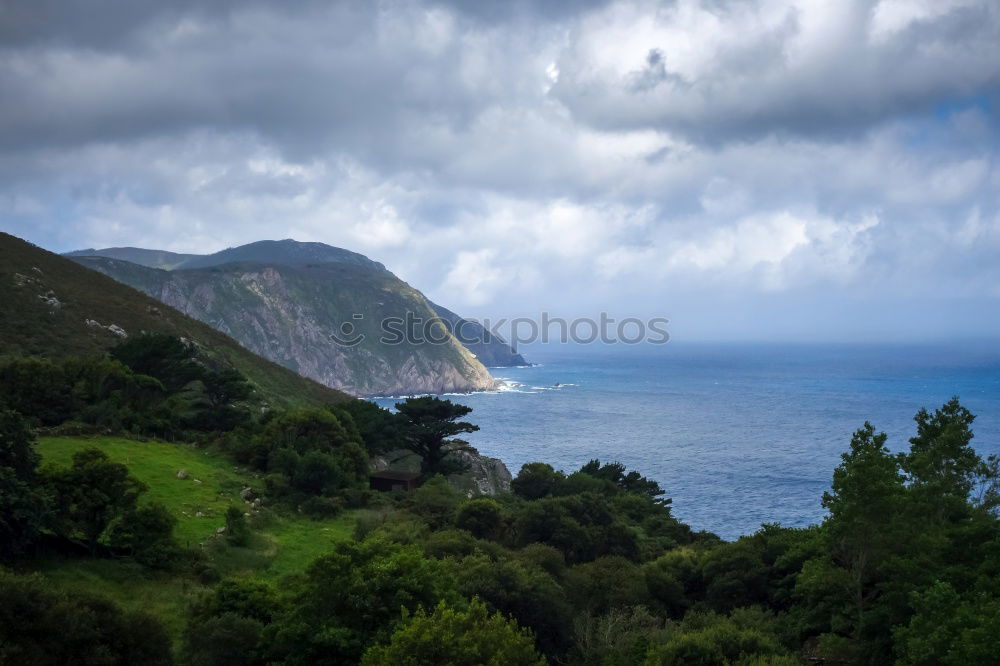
pixel 39 625
pixel 24 505
pixel 483 517
pixel 949 630
pixel 427 423
pixel 591 563
pixel 352 598
pixel 91 494
pixel 526 593
pixel 452 637
pixel 308 452
pixel 237 530
pixel 536 480
pixel 147 534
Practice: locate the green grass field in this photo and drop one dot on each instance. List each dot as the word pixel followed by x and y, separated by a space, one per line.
pixel 284 545
pixel 212 484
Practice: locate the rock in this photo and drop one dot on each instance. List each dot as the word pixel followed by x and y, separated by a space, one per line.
pixel 50 299
pixel 113 329
pixel 486 476
pixel 198 481
pixel 221 530
pixel 199 514
pixel 182 474
pixel 247 494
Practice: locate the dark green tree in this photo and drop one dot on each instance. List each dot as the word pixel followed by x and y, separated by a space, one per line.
pixel 941 465
pixel 237 529
pixel 44 626
pixel 453 637
pixel 24 506
pixel 536 480
pixel 628 481
pixel 482 516
pixel 428 423
pixel 91 494
pixel 352 598
pixel 147 534
pixel 865 532
pixel 38 389
pixel 522 591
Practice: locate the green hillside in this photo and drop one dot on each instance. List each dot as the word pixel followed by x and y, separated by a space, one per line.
pixel 283 544
pixel 51 306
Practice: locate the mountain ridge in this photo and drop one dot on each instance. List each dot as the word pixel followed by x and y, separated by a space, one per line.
pixel 287 300
pixel 54 307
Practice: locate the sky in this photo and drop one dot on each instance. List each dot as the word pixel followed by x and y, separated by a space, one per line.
pixel 751 169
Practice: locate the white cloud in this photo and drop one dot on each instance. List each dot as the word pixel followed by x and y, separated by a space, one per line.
pixel 632 153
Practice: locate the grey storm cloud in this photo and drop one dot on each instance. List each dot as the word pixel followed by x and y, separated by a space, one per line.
pixel 662 155
pixel 782 78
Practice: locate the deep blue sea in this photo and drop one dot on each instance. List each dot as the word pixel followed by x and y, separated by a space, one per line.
pixel 737 434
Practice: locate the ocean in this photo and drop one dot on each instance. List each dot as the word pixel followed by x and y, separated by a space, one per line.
pixel 737 434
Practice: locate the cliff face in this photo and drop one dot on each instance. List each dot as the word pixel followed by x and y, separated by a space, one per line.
pixel 491 350
pixel 326 321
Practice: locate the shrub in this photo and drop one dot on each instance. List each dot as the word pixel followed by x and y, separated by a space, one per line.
pixel 237 529
pixel 457 637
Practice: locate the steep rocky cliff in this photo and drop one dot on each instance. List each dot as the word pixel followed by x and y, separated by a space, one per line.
pixel 491 350
pixel 338 322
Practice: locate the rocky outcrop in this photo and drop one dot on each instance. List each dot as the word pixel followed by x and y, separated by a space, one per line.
pixel 485 476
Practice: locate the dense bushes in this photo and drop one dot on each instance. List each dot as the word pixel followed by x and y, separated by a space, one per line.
pixel 451 637
pixel 41 626
pixel 94 502
pixel 151 384
pixel 588 567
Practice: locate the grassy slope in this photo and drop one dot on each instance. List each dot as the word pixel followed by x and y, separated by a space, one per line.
pixel 28 325
pixel 285 545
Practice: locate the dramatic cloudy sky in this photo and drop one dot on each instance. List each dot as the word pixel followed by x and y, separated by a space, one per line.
pixel 808 169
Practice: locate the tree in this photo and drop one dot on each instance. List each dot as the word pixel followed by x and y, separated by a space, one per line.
pixel 379 429
pixel 482 516
pixel 450 637
pixel 36 388
pixel 352 598
pixel 949 630
pixel 24 506
pixel 629 482
pixel 941 465
pixel 160 355
pixel 525 592
pixel 91 494
pixel 223 640
pixel 536 480
pixel 428 422
pixel 237 530
pixel 147 533
pixel 865 529
pixel 44 626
